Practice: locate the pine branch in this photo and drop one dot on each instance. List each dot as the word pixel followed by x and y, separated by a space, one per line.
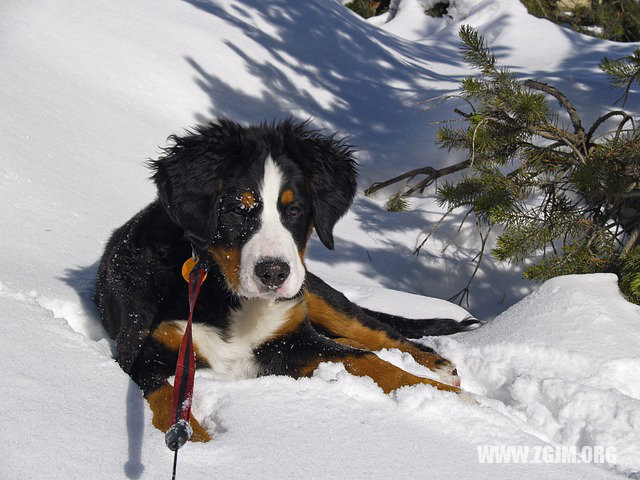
pixel 475 50
pixel 571 202
pixel 623 72
pixel 627 89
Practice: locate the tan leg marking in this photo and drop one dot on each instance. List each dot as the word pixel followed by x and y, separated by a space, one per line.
pixel 350 342
pixel 160 402
pixel 387 376
pixel 170 335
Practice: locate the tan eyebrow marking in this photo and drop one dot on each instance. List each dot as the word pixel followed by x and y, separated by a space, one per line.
pixel 248 200
pixel 287 197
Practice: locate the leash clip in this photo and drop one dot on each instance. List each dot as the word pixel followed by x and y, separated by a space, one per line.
pixel 192 263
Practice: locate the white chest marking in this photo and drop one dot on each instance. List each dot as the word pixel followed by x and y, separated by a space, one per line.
pixel 250 325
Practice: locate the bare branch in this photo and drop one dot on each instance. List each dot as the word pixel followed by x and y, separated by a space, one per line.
pixel 374 187
pixel 473 139
pixel 564 101
pixel 632 194
pixel 437 174
pixel 461 113
pixel 431 173
pixel 435 101
pixel 600 120
pixel 568 139
pixel 631 242
pixel 544 133
pixel 575 150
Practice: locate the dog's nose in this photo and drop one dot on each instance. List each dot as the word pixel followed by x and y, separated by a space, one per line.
pixel 272 272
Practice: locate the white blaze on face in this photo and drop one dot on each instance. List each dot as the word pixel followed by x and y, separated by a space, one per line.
pixel 272 241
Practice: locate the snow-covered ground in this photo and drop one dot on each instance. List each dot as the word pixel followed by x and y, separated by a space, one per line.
pixel 90 89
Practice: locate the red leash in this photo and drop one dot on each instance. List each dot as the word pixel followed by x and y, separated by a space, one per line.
pixel 181 430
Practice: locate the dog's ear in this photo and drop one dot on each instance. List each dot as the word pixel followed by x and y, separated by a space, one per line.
pixel 188 185
pixel 330 171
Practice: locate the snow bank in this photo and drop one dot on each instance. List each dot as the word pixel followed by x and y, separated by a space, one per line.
pixel 75 414
pixel 406 18
pixel 564 360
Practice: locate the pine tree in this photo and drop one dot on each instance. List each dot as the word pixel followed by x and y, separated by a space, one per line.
pixel 567 199
pixel 617 20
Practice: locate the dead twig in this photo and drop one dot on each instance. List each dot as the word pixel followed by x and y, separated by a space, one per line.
pixel 433 229
pixel 463 294
pixel 600 120
pixel 453 237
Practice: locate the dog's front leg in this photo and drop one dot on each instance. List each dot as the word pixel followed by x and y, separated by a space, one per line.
pixel 156 362
pixel 160 401
pixel 349 323
pixel 299 352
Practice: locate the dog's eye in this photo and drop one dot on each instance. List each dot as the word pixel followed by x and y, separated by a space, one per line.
pixel 294 211
pixel 239 211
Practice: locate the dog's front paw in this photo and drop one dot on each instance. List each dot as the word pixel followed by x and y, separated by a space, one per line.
pixel 445 369
pixel 447 372
pixel 160 402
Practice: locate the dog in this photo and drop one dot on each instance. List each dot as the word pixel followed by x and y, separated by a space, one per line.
pixel 246 200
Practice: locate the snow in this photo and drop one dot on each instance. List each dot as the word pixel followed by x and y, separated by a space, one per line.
pixel 91 89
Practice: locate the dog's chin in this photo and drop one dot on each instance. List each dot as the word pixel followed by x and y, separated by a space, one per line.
pixel 265 293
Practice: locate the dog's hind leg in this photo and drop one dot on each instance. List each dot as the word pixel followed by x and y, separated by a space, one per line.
pixel 388 376
pixel 350 342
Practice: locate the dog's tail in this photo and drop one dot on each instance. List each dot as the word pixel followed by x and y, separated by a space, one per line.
pixel 392 324
pixel 417 328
